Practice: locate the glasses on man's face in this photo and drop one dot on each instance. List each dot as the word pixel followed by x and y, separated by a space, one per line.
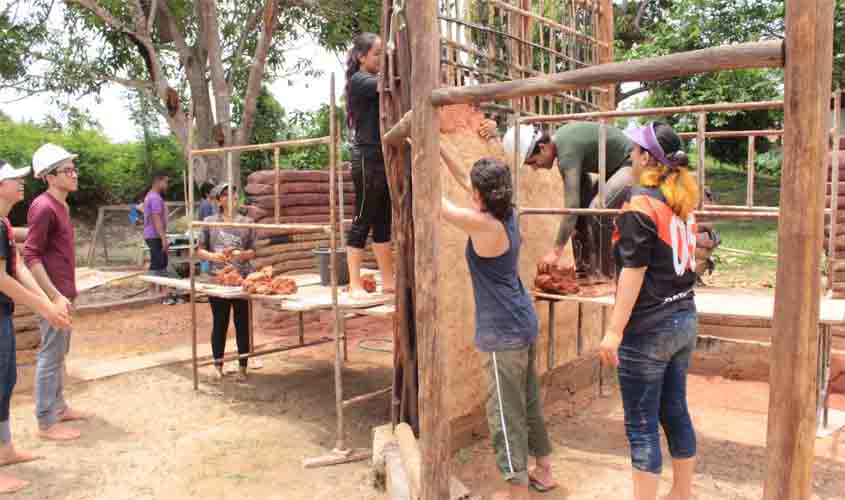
pixel 69 171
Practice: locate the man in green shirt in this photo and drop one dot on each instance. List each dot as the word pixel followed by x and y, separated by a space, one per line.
pixel 575 146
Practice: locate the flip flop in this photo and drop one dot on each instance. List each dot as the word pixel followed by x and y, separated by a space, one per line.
pixel 539 486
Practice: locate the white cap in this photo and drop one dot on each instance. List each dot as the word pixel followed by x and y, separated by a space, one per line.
pixel 48 156
pixel 7 171
pixel 528 137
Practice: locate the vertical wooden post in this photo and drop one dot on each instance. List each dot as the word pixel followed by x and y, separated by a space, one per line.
pixel 276 186
pixel 432 344
pixel 602 163
pixel 192 271
pixel 92 251
pixel 700 140
pixel 606 101
pixel 834 188
pixel 340 442
pixel 752 154
pixel 792 377
pixel 229 175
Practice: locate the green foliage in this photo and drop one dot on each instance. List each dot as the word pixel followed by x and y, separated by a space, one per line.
pixel 670 26
pixel 108 173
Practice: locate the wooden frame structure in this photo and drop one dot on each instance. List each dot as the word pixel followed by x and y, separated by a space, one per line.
pixel 807 49
pixel 341 453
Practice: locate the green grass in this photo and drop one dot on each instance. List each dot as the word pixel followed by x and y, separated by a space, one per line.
pixel 733 269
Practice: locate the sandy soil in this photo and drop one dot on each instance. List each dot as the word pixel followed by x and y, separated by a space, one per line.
pixel 157 438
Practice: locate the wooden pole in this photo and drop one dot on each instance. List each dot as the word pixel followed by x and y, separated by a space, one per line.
pixel 702 158
pixel 605 33
pixel 340 441
pixel 230 202
pixel 834 184
pixel 432 345
pixel 276 186
pixel 749 195
pixel 725 134
pixel 263 147
pixel 792 377
pixel 92 251
pixel 699 108
pixel 731 57
pixel 192 272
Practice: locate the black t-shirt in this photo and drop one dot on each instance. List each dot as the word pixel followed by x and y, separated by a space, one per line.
pixel 363 101
pixel 649 234
pixel 7 252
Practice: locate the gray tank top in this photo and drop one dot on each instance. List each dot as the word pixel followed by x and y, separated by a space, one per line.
pixel 505 319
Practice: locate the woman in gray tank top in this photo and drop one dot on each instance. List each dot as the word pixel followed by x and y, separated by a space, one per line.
pixel 505 324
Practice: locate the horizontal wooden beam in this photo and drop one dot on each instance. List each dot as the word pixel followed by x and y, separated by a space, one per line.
pixel 709 214
pixel 741 56
pixel 672 110
pixel 301 228
pixel 264 147
pixel 723 134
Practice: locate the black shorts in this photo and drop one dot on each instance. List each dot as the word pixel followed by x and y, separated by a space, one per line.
pixel 372 199
pixel 158 257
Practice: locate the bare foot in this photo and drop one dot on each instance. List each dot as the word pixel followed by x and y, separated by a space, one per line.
pixel 9 484
pixel 10 456
pixel 241 377
pixel 75 414
pixel 59 432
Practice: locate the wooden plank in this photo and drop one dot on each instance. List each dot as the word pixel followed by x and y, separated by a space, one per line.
pixel 750 167
pixel 607 101
pixel 432 345
pixel 731 57
pixel 792 402
pixel 92 251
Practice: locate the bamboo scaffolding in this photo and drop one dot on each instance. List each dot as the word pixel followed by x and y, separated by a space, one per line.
pixel 672 110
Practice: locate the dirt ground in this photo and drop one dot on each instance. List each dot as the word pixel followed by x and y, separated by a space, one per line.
pixel 155 438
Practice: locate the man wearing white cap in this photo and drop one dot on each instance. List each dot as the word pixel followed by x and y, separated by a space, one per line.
pixel 575 146
pixel 50 254
pixel 16 287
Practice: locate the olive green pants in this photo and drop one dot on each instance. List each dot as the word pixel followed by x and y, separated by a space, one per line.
pixel 515 412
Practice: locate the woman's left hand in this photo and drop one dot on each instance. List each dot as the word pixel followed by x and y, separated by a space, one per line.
pixel 240 255
pixel 609 348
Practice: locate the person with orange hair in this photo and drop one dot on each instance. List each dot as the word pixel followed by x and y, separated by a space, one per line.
pixel 653 327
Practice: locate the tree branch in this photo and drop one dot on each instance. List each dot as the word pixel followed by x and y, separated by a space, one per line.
pixel 222 97
pixel 256 71
pixel 640 14
pixel 250 26
pixel 632 92
pixel 152 16
pixel 95 8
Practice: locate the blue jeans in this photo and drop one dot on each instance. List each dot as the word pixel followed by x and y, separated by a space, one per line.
pixel 50 375
pixel 8 374
pixel 653 381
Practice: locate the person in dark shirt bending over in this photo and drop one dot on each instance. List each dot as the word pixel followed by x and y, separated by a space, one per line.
pixel 575 146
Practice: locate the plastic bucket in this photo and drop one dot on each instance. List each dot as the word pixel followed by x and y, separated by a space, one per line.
pixel 323 263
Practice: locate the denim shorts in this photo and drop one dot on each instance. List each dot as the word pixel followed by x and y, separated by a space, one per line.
pixel 653 380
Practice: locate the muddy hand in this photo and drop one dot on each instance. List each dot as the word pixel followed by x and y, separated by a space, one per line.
pixel 487 129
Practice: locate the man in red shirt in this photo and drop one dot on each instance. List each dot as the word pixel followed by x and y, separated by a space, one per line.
pixel 51 256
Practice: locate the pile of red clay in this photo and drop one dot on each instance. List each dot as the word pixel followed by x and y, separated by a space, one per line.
pixel 557 281
pixel 229 276
pixel 262 283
